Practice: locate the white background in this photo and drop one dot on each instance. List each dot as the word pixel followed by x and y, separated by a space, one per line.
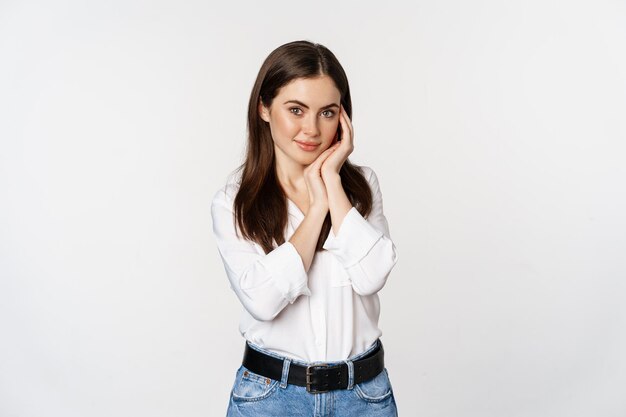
pixel 497 130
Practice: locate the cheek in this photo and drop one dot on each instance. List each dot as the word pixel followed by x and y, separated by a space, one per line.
pixel 285 126
pixel 330 129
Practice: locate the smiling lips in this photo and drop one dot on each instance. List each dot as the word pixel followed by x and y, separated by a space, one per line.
pixel 308 146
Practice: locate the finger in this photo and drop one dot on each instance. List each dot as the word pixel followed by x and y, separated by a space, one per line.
pixel 322 157
pixel 328 151
pixel 349 123
pixel 346 125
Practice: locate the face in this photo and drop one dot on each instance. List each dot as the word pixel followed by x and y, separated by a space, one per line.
pixel 303 119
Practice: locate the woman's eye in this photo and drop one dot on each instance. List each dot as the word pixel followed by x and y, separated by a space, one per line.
pixel 328 113
pixel 295 110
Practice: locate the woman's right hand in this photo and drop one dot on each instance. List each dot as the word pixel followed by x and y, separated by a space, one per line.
pixel 314 182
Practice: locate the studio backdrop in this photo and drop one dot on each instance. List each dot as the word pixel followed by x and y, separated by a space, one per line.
pixel 498 135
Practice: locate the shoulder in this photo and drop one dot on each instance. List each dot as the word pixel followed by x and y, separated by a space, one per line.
pixel 225 195
pixel 370 175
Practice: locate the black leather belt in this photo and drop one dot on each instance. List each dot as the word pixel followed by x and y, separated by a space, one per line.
pixel 319 377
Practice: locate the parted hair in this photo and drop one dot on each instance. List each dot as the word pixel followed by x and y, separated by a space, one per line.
pixel 260 205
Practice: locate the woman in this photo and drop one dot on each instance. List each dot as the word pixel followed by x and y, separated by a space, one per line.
pixel 306 248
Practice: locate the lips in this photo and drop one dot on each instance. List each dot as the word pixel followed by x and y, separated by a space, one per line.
pixel 307 146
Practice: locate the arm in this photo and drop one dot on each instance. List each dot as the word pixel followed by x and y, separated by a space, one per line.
pixel 338 202
pixel 363 246
pixel 264 283
pixel 305 237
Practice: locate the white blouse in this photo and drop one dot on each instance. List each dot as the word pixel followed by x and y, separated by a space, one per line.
pixel 327 314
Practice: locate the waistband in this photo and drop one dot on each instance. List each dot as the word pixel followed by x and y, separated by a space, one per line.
pixel 317 377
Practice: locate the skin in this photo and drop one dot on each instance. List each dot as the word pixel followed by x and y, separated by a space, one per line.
pixel 311 178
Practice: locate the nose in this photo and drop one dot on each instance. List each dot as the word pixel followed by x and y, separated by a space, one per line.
pixel 310 127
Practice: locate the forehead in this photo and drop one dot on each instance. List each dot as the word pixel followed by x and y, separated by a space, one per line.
pixel 314 91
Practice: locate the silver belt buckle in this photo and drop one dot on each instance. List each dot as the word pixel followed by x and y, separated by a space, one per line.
pixel 309 372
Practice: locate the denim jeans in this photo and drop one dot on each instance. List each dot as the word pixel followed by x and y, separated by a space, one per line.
pixel 254 395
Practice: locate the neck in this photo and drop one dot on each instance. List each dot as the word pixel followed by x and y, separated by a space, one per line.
pixel 290 174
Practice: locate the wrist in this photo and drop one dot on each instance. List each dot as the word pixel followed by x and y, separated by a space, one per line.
pixel 318 210
pixel 332 179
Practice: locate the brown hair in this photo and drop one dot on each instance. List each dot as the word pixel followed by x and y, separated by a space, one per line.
pixel 260 205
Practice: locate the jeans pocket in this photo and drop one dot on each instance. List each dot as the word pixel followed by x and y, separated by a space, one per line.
pixel 376 389
pixel 252 387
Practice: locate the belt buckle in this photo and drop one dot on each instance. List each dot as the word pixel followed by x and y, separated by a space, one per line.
pixel 308 379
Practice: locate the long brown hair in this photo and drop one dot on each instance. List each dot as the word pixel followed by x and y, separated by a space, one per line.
pixel 260 205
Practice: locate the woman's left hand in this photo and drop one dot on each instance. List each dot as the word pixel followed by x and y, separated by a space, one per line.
pixel 334 162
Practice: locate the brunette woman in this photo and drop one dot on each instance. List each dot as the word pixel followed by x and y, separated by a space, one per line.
pixel 306 248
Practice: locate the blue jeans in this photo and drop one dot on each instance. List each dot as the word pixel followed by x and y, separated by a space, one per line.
pixel 254 395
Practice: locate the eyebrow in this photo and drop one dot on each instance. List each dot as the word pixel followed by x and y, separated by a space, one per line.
pixel 328 106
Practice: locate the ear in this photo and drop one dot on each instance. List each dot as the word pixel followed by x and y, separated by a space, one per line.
pixel 264 111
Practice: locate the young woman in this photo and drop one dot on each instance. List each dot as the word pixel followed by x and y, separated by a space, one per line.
pixel 306 248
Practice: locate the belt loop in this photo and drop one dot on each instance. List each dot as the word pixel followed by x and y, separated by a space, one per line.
pixel 285 376
pixel 350 374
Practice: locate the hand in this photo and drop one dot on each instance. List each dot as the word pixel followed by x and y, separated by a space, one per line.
pixel 344 148
pixel 315 183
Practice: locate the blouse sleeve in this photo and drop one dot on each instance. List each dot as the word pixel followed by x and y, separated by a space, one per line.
pixel 264 283
pixel 364 246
